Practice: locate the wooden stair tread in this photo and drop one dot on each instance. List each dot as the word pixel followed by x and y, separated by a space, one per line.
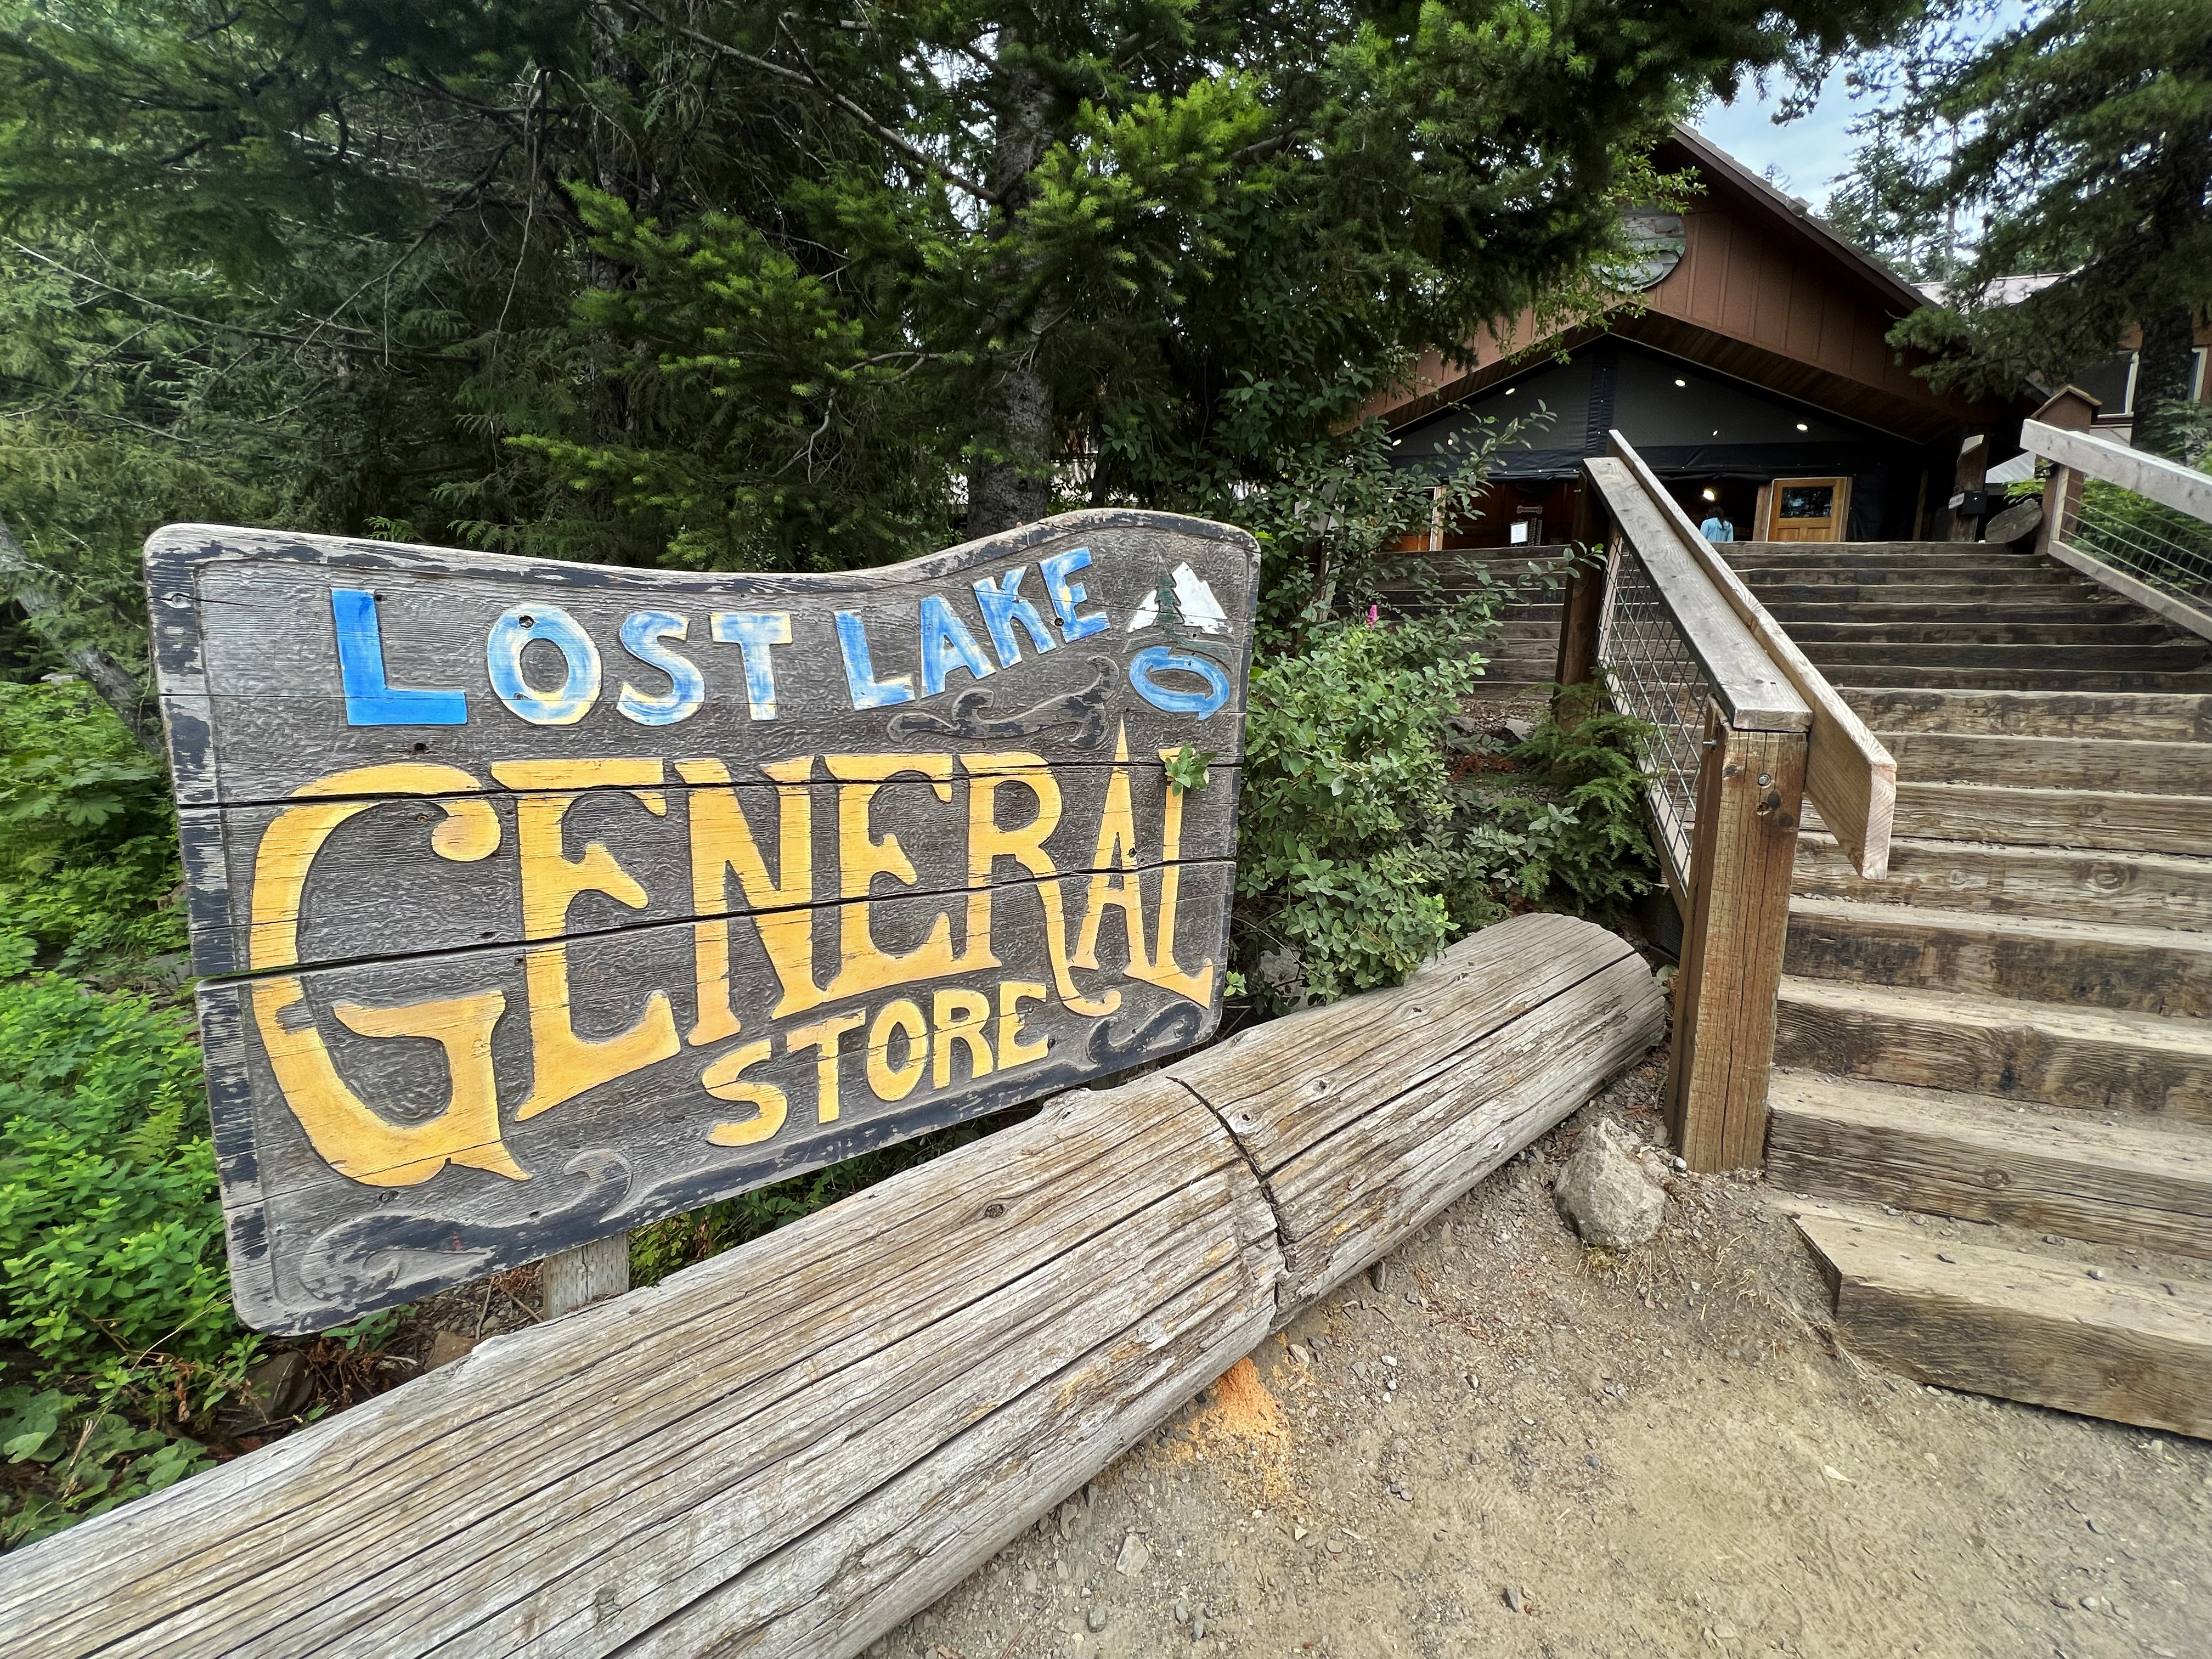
pixel 2036 1327
pixel 2032 958
pixel 2053 932
pixel 2165 891
pixel 2147 716
pixel 2129 1180
pixel 1849 676
pixel 2135 766
pixel 2085 1059
pixel 2102 1025
pixel 2121 820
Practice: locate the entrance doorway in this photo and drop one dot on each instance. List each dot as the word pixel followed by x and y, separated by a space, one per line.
pixel 1805 510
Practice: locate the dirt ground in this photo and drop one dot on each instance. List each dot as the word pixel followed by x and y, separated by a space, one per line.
pixel 1514 1447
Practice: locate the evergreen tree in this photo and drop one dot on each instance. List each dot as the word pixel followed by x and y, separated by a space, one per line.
pixel 686 281
pixel 2079 142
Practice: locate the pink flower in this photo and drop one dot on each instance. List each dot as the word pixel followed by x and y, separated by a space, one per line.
pixel 1374 615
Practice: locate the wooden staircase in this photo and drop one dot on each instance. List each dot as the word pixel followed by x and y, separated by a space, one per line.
pixel 2015 1027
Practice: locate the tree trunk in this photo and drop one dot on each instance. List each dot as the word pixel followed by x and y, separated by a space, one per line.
pixel 2169 331
pixel 1010 483
pixel 116 684
pixel 2162 376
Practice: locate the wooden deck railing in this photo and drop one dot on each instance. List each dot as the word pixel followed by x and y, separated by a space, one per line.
pixel 2135 523
pixel 1746 727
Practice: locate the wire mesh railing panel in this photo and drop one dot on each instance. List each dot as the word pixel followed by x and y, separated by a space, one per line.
pixel 2154 542
pixel 1655 677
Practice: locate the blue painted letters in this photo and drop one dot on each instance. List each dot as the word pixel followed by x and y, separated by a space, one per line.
pixel 368 700
pixel 580 682
pixel 868 692
pixel 1066 595
pixel 947 644
pixel 754 632
pixel 641 634
pixel 1168 699
pixel 1003 606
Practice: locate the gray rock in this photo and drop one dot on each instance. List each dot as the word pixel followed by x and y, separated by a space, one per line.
pixel 1605 1191
pixel 1512 1599
pixel 1380 1274
pixel 1284 973
pixel 1518 729
pixel 1183 1613
pixel 1198 1630
pixel 1136 1555
pixel 1095 1621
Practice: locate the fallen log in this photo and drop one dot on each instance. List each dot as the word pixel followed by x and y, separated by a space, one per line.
pixel 793 1446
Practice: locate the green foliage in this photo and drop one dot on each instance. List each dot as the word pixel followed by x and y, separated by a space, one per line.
pixel 1187 768
pixel 1367 839
pixel 2078 140
pixel 735 288
pixel 1578 842
pixel 87 837
pixel 110 1241
pixel 2133 533
pixel 89 1459
pixel 1344 850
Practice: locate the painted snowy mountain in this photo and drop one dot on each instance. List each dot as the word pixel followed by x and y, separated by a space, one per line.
pixel 1202 612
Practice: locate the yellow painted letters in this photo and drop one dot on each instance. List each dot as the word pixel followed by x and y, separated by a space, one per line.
pixel 725 1080
pixel 822 1036
pixel 959 1016
pixel 563 1064
pixel 722 844
pixel 345 1131
pixel 898 1082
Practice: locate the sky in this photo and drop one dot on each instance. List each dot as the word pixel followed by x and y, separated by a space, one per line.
pixel 1807 154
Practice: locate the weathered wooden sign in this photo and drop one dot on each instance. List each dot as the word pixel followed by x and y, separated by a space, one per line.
pixel 538 901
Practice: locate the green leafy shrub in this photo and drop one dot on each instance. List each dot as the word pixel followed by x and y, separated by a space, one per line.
pixel 114 1297
pixel 87 837
pixel 90 1461
pixel 1566 831
pixel 111 1240
pixel 1345 850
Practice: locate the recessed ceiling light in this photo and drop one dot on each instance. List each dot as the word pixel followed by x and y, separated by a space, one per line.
pixel 1682 383
pixel 1510 389
pixel 1712 494
pixel 1802 427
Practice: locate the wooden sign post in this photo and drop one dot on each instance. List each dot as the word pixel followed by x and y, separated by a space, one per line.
pixel 537 900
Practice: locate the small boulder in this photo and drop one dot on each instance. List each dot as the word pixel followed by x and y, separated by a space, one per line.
pixel 1605 1191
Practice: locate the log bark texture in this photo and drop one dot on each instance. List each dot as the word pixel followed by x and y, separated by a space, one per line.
pixel 793 1446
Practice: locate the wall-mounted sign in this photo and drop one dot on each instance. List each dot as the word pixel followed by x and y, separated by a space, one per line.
pixel 1656 241
pixel 538 901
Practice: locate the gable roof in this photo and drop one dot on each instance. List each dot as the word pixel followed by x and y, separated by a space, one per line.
pixel 1723 171
pixel 1765 292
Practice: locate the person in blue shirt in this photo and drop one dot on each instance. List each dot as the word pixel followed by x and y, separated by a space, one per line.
pixel 1715 528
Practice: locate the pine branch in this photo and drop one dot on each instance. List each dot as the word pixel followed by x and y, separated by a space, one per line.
pixel 809 78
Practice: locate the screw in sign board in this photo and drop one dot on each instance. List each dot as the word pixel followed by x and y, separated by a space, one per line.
pixel 536 901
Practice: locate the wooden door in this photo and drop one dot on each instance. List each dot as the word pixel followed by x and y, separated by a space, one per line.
pixel 1808 509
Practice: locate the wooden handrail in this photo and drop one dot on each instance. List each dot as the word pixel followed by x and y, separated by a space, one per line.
pixel 2152 476
pixel 2075 456
pixel 1848 773
pixel 1774 730
pixel 1752 692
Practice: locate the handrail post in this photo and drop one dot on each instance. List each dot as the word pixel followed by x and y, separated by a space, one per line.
pixel 1751 789
pixel 2061 491
pixel 1582 605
